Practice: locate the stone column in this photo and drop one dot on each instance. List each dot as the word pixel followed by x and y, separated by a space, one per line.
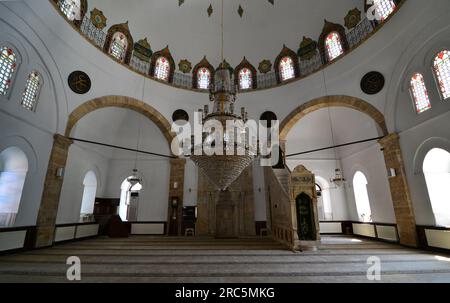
pixel 48 210
pixel 401 198
pixel 177 167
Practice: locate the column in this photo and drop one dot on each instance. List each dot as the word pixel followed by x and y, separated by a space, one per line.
pixel 401 197
pixel 176 191
pixel 46 221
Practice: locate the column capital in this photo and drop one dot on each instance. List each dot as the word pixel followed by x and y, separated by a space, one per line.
pixel 178 161
pixel 62 140
pixel 389 139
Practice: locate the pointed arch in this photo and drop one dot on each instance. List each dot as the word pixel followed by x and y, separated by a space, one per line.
pixel 122 102
pixel 245 64
pixel 329 28
pixel 164 53
pixel 124 30
pixel 330 101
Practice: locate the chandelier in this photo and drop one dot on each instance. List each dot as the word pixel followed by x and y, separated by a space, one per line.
pixel 224 167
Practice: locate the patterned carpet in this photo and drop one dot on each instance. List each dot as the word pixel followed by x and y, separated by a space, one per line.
pixel 161 259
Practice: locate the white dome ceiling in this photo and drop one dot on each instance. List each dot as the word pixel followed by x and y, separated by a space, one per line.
pixel 191 34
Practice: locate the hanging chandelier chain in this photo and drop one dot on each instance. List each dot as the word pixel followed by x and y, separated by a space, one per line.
pixel 222 30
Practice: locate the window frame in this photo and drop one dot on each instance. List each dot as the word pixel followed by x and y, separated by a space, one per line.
pixel 280 69
pixel 413 99
pixel 18 62
pixel 38 91
pixel 341 44
pixel 165 79
pixel 435 75
pixel 125 50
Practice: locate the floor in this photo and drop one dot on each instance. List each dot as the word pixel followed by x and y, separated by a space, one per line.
pixel 153 259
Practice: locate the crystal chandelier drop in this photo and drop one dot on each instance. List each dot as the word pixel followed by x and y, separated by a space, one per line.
pixel 225 167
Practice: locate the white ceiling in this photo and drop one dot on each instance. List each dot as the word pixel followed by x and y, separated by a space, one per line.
pixel 190 34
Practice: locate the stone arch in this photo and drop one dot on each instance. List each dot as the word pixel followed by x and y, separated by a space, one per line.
pixel 330 101
pixel 122 102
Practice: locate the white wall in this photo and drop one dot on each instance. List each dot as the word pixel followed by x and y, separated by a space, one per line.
pixel 190 184
pixel 259 193
pixel 81 159
pixel 371 163
pixel 154 196
pixel 415 144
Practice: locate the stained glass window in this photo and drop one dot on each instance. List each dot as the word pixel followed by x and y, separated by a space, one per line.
pixel 7 68
pixel 442 71
pixel 333 46
pixel 384 8
pixel 286 69
pixel 71 8
pixel 119 46
pixel 203 78
pixel 31 92
pixel 162 69
pixel 245 79
pixel 419 93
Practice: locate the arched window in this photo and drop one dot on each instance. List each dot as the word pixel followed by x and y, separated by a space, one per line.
pixel 13 171
pixel 162 69
pixel 7 68
pixel 323 199
pixel 71 8
pixel 203 78
pixel 31 92
pixel 127 199
pixel 333 45
pixel 442 71
pixel 89 194
pixel 286 68
pixel 384 8
pixel 362 197
pixel 419 93
pixel 436 168
pixel 118 47
pixel 245 79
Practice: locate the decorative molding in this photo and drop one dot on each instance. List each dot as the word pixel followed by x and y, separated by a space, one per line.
pixel 98 19
pixel 265 66
pixel 353 18
pixel 307 49
pixel 376 28
pixel 185 66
